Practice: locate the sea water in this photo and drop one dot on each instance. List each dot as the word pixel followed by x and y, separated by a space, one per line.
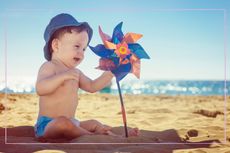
pixel 173 87
pixel 149 87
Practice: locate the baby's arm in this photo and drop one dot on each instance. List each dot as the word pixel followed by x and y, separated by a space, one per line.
pixel 48 81
pixel 89 85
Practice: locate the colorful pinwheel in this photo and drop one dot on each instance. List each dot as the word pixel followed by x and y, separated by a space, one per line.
pixel 120 55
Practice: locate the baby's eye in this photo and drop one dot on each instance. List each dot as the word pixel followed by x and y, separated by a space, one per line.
pixel 77 46
pixel 84 49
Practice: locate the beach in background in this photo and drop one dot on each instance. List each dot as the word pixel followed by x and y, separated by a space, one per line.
pixel 169 119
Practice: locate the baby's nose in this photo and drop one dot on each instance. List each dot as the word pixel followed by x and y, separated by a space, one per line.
pixel 80 53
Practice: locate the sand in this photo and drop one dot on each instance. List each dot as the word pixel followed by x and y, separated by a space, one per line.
pixel 168 124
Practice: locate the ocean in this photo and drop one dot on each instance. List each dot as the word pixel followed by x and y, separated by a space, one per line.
pixel 149 87
pixel 174 87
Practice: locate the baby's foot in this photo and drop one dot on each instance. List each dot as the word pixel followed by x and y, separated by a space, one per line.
pixel 113 134
pixel 133 132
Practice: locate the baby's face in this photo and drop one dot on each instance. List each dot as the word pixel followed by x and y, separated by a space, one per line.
pixel 71 48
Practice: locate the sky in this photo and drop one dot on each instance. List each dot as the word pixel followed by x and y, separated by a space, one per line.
pixel 186 40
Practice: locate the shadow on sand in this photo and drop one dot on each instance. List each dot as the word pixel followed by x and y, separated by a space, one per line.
pixel 163 142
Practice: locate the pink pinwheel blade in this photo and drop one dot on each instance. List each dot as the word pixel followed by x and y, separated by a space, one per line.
pixel 106 40
pixel 136 68
pixel 106 65
pixel 104 36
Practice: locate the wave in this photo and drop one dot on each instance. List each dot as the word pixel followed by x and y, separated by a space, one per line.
pixel 151 87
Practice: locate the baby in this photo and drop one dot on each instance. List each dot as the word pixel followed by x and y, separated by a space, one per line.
pixel 58 81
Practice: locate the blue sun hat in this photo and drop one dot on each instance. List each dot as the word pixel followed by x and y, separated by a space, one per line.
pixel 60 21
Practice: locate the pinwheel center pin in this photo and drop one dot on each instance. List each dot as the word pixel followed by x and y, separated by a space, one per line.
pixel 123 50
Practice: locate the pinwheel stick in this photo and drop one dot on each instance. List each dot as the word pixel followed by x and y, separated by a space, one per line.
pixel 122 109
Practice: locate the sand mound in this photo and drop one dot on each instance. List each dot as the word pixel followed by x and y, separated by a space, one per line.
pixel 208 113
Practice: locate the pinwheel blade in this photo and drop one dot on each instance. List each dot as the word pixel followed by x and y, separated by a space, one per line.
pixel 101 51
pixel 136 68
pixel 138 51
pixel 109 45
pixel 106 64
pixel 104 36
pixel 117 34
pixel 121 71
pixel 132 37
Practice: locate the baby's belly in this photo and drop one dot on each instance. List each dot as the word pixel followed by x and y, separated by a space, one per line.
pixel 61 103
pixel 55 108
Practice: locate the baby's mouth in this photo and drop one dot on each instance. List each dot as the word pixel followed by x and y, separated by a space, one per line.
pixel 76 59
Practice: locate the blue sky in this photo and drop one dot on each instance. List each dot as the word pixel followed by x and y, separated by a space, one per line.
pixel 182 41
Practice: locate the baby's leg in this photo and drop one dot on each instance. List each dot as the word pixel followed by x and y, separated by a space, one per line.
pixel 95 126
pixel 98 128
pixel 63 127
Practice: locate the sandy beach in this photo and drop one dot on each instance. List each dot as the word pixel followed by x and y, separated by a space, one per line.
pixel 168 124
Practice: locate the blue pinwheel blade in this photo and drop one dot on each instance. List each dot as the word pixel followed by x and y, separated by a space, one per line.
pixel 115 60
pixel 121 71
pixel 138 51
pixel 117 34
pixel 101 51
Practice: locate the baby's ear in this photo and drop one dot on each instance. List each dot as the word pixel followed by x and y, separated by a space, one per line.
pixel 54 45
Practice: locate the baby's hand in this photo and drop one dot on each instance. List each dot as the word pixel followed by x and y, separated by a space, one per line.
pixel 72 74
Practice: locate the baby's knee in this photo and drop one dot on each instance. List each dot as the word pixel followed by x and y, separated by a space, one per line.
pixel 97 125
pixel 95 122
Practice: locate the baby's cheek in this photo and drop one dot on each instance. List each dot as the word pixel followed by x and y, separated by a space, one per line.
pixel 83 55
pixel 82 58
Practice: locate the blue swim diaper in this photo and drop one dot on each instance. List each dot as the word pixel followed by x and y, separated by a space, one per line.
pixel 42 122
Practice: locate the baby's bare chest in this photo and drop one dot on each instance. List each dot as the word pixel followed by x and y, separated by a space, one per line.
pixel 68 86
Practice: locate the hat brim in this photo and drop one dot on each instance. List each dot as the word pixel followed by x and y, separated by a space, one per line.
pixel 47 53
